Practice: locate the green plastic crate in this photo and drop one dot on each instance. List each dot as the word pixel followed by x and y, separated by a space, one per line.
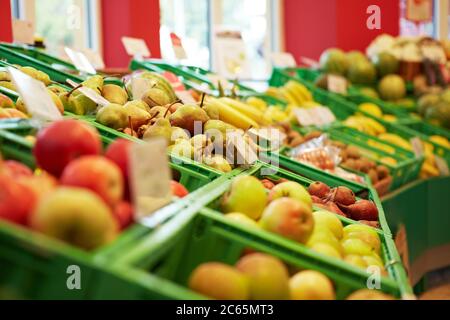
pixel 14 146
pixel 192 239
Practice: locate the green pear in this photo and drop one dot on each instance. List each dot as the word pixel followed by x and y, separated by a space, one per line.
pixel 212 111
pixel 218 162
pixel 140 104
pixel 115 94
pixel 156 97
pixel 6 102
pixel 217 130
pixel 182 148
pixel 95 83
pixel 69 106
pixel 159 113
pixel 81 105
pixel 138 117
pixel 4 76
pixel 37 74
pixel 162 129
pixel 114 116
pixel 56 100
pixel 179 134
pixel 8 85
pixel 187 116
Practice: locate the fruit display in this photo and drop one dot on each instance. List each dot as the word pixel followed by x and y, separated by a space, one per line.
pixel 259 276
pixel 78 194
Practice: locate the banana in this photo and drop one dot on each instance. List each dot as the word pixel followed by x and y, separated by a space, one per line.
pixel 375 126
pixel 257 103
pixel 248 110
pixel 396 140
pixel 302 90
pixel 275 92
pixel 440 140
pixel 288 96
pixel 298 95
pixel 381 146
pixel 429 170
pixel 232 116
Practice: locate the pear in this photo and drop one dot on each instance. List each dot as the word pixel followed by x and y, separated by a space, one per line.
pixel 182 148
pixel 4 76
pixel 95 83
pixel 162 129
pixel 81 105
pixel 114 94
pixel 6 102
pixel 138 117
pixel 211 110
pixel 187 116
pixel 113 115
pixel 36 74
pixel 218 162
pixel 174 107
pixel 156 97
pixel 160 113
pixel 57 89
pixel 179 134
pixel 140 104
pixel 59 104
pixel 8 85
pixel 217 130
pixel 71 105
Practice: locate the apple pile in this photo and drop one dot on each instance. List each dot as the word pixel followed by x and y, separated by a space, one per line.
pixel 77 195
pixel 258 276
pixel 286 209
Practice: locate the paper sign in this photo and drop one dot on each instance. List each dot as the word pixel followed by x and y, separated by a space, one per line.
pixel 239 150
pixel 36 97
pixel 231 55
pixel 91 94
pixel 23 31
pixel 80 61
pixel 337 84
pixel 442 166
pixel 178 48
pixel 272 135
pixel 94 58
pixel 419 10
pixel 317 116
pixel 139 86
pixel 150 176
pixel 186 97
pixel 417 146
pixel 283 60
pixel 136 47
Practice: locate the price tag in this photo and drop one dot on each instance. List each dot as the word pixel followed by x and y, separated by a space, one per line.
pixel 136 47
pixel 337 84
pixel 283 60
pixel 178 48
pixel 186 97
pixel 442 166
pixel 150 176
pixel 417 146
pixel 36 97
pixel 23 31
pixel 317 116
pixel 94 58
pixel 272 135
pixel 239 150
pixel 139 86
pixel 91 94
pixel 80 61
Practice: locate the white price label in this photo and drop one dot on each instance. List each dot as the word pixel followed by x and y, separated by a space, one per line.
pixel 23 31
pixel 36 97
pixel 283 60
pixel 417 146
pixel 80 61
pixel 139 86
pixel 317 116
pixel 245 154
pixel 150 176
pixel 91 94
pixel 337 84
pixel 442 166
pixel 186 97
pixel 94 58
pixel 136 47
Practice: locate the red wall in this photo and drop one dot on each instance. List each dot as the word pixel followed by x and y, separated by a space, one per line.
pixel 313 26
pixel 5 21
pixel 132 18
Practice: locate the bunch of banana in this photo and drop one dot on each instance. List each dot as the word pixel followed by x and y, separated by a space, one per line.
pixel 396 140
pixel 440 140
pixel 365 124
pixel 232 115
pixel 292 92
pixel 374 110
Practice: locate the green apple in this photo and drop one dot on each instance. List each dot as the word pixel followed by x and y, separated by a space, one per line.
pixel 356 247
pixel 330 221
pixel 356 261
pixel 76 216
pixel 247 195
pixel 242 219
pixel 325 236
pixel 292 190
pixel 326 250
pixel 373 240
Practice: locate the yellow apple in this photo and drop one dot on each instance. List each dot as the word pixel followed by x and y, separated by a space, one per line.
pixel 356 247
pixel 242 219
pixel 330 221
pixel 326 250
pixel 311 285
pixel 368 237
pixel 356 261
pixel 324 236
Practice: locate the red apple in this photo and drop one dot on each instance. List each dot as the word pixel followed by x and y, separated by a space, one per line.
pixel 40 185
pixel 123 212
pixel 117 152
pixel 178 190
pixel 63 141
pixel 97 174
pixel 16 200
pixel 17 169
